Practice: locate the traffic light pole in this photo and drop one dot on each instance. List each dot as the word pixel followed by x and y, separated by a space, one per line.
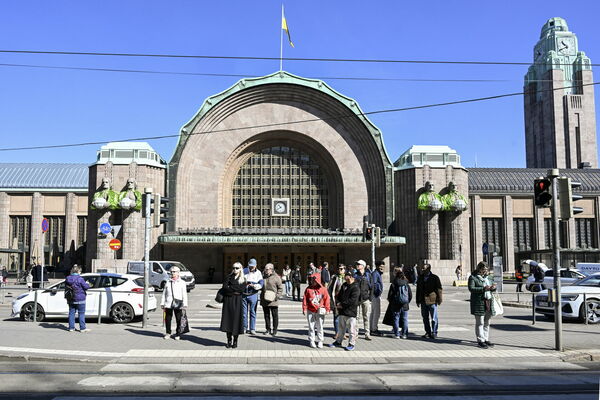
pixel 147 232
pixel 553 174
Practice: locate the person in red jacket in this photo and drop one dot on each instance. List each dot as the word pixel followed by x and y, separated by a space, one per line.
pixel 315 304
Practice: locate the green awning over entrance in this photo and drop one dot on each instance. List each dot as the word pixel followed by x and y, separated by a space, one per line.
pixel 280 239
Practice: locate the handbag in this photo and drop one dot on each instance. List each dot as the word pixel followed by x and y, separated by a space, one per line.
pixel 322 311
pixel 270 295
pixel 497 307
pixel 184 326
pixel 431 298
pixel 219 297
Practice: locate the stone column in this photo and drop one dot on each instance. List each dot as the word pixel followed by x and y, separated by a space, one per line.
pixel 455 234
pixel 571 234
pixel 477 240
pixel 4 220
pixel 538 219
pixel 508 253
pixel 103 252
pixel 133 235
pixel 70 226
pixel 37 239
pixel 432 235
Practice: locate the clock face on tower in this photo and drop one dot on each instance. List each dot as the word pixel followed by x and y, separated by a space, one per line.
pixel 565 46
pixel 280 207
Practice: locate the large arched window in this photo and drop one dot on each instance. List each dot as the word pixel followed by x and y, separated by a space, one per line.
pixel 280 173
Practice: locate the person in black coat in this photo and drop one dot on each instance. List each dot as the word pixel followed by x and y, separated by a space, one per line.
pixel 347 306
pixel 429 297
pixel 231 313
pixel 396 314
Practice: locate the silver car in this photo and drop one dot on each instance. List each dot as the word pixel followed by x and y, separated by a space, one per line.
pixel 567 277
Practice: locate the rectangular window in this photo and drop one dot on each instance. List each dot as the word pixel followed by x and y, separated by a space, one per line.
pixel 523 234
pixel 20 231
pixel 492 233
pixel 81 230
pixel 56 231
pixel 584 232
pixel 549 236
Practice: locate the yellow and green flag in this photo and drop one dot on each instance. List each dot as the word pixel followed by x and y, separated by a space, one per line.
pixel 284 26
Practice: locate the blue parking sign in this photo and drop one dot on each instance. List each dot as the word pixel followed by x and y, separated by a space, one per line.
pixel 105 228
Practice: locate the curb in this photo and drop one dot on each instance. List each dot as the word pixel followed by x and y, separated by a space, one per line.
pixel 581 355
pixel 515 304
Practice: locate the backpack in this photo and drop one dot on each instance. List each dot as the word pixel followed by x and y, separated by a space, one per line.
pixel 402 295
pixel 69 293
pixel 538 275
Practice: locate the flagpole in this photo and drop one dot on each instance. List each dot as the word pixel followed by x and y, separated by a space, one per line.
pixel 281 41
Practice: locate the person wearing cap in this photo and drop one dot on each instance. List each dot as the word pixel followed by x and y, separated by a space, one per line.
pixel 315 305
pixel 347 306
pixel 254 284
pixel 174 301
pixel 364 281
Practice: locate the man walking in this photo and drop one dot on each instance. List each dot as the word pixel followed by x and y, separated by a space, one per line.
pixel 254 283
pixel 296 278
pixel 429 297
pixel 325 274
pixel 365 283
pixel 347 308
pixel 377 277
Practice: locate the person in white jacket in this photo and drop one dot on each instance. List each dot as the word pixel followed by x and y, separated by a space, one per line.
pixel 174 301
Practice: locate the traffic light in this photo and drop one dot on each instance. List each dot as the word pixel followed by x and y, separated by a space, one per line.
pixel 368 234
pixel 541 190
pixel 159 206
pixel 566 197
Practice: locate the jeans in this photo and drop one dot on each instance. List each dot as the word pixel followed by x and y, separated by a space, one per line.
pixel 375 313
pixel 80 309
pixel 427 312
pixel 365 310
pixel 268 312
pixel 400 323
pixel 288 288
pixel 169 317
pixel 482 327
pixel 296 288
pixel 336 323
pixel 249 303
pixel 350 324
pixel 315 323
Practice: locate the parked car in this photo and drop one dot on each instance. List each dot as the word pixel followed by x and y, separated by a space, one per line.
pixel 572 300
pixel 159 273
pixel 117 296
pixel 567 277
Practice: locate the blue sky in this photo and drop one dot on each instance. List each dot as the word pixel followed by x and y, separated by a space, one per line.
pixel 47 106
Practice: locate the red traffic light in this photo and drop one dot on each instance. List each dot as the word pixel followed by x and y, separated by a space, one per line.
pixel 541 190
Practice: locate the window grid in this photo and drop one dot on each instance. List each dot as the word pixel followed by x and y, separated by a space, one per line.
pixel 492 233
pixel 523 234
pixel 280 172
pixel 584 228
pixel 56 231
pixel 81 230
pixel 549 235
pixel 20 229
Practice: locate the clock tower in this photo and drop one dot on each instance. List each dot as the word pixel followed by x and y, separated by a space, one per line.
pixel 560 120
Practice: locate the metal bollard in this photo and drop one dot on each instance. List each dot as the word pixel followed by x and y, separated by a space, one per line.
pixel 585 309
pixel 35 303
pixel 533 307
pixel 99 308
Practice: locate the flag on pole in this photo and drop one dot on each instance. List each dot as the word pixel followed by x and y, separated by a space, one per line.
pixel 284 26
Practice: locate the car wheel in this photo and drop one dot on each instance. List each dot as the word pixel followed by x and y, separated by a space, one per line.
pixel 593 312
pixel 27 312
pixel 122 313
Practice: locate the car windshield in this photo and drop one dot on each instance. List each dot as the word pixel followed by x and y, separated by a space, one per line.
pixel 168 266
pixel 593 280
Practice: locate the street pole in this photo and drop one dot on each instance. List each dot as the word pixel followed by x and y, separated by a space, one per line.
pixel 147 206
pixel 553 174
pixel 373 247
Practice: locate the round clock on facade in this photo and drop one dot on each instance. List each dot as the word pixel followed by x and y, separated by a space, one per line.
pixel 280 207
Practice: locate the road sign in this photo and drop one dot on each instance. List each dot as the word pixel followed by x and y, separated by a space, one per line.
pixel 45 225
pixel 105 228
pixel 114 244
pixel 116 229
pixel 484 248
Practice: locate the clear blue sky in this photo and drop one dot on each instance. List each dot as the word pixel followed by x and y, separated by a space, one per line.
pixel 48 106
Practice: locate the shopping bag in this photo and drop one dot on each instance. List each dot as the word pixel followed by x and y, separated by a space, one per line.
pixel 497 307
pixel 184 327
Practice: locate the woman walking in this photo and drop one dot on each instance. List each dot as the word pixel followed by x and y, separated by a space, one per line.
pixel 269 298
pixel 482 306
pixel 75 293
pixel 399 297
pixel 315 305
pixel 174 301
pixel 287 280
pixel 231 313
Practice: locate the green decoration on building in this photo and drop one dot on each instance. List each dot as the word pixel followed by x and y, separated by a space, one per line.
pixel 105 198
pixel 130 199
pixel 454 201
pixel 429 200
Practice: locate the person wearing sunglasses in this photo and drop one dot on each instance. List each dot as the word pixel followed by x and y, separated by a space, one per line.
pixel 231 313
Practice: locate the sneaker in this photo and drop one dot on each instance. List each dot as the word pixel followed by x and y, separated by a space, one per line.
pixel 482 345
pixel 320 345
pixel 86 330
pixel 72 330
pixel 433 336
pixel 334 344
pixel 404 337
pixel 312 344
pixel 367 337
pixel 274 333
pixel 489 344
pixel 426 336
pixel 397 337
pixel 349 347
pixel 177 338
pixel 167 336
pixel 253 332
pixel 267 332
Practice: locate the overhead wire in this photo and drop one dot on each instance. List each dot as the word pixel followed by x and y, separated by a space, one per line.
pixel 336 117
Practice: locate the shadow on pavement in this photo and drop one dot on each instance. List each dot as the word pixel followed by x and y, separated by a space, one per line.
pixel 282 339
pixel 145 333
pixel 204 341
pixel 517 328
pixel 56 325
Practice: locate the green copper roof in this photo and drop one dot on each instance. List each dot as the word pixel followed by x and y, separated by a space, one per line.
pixel 282 77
